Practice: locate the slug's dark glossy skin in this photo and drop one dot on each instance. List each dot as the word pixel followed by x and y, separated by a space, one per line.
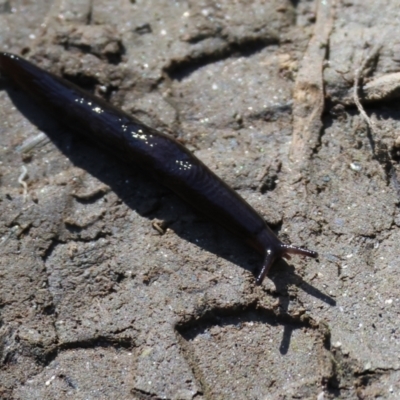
pixel 165 158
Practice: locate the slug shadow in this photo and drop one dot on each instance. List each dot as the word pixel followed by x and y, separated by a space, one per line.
pixel 284 275
pixel 153 201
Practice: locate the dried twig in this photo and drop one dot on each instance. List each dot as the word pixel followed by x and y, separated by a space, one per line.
pixel 309 90
pixel 357 78
pixel 24 173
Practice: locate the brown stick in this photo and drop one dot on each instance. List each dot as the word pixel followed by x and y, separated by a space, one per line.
pixel 309 89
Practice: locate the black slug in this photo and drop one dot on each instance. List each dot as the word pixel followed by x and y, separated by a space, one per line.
pixel 159 154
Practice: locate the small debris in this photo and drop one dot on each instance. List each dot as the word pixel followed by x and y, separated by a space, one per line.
pixel 24 173
pixel 50 380
pixel 321 396
pixel 355 166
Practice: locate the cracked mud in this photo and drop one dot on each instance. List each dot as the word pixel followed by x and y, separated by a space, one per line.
pixel 111 287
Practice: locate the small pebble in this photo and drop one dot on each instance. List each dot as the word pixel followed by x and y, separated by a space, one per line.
pixel 355 166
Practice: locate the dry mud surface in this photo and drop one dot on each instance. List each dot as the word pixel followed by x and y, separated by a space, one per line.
pixel 112 288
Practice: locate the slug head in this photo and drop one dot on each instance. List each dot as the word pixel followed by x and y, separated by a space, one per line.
pixel 278 251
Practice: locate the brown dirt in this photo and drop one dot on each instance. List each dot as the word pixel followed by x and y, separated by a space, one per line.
pixel 96 304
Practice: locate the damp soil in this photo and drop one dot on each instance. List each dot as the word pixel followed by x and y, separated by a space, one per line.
pixel 113 288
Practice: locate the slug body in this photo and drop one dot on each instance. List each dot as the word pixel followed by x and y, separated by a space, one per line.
pixel 161 155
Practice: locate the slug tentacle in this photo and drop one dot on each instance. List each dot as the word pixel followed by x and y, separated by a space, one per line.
pixel 270 257
pixel 284 251
pixel 157 153
pixel 290 249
